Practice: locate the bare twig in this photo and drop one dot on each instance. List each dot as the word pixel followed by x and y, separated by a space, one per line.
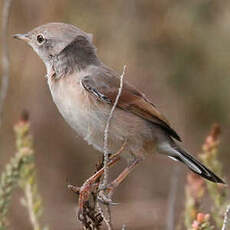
pixel 104 184
pixel 172 198
pixel 226 224
pixel 106 132
pixel 5 55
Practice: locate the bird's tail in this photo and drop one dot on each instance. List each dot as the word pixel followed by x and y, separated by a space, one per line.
pixel 176 153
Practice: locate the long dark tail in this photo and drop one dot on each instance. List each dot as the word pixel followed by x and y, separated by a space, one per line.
pixel 197 167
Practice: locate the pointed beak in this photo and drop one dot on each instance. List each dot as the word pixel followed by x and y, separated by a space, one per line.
pixel 23 37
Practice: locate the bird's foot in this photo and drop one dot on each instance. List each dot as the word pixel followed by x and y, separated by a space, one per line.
pixel 105 195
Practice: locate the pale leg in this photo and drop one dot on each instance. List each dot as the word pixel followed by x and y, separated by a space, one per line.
pixel 123 175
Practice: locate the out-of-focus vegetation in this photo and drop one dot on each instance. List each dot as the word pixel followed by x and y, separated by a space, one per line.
pixel 177 52
pixel 21 172
pixel 197 190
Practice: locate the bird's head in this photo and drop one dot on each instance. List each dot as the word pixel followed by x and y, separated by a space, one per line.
pixel 54 41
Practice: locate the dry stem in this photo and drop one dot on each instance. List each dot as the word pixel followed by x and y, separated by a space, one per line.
pixel 104 183
pixel 106 132
pixel 5 55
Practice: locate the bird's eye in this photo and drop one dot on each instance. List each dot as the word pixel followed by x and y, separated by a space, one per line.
pixel 40 38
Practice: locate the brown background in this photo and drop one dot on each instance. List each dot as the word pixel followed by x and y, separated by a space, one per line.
pixel 177 52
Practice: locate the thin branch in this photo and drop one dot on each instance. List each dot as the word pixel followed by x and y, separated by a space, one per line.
pixel 106 132
pixel 172 198
pixel 5 55
pixel 226 224
pixel 107 217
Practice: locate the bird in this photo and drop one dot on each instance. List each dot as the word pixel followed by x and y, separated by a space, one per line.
pixel 84 90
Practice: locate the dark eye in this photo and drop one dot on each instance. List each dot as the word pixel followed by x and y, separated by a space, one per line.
pixel 40 38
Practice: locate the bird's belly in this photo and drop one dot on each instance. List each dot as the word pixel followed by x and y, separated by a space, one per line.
pixel 88 117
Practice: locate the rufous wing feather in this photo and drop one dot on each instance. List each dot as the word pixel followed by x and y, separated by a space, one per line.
pixel 106 89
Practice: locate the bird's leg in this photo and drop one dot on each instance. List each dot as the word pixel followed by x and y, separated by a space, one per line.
pixel 86 188
pixel 121 177
pixel 125 173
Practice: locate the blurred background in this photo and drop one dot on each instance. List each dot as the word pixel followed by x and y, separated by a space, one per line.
pixel 177 52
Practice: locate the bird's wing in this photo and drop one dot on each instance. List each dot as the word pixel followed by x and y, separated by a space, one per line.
pixel 105 88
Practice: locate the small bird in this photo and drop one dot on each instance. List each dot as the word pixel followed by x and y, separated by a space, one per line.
pixel 84 91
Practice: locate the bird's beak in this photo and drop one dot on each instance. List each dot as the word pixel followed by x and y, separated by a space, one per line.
pixel 23 37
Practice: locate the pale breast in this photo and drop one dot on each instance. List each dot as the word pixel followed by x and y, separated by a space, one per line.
pixel 80 110
pixel 71 101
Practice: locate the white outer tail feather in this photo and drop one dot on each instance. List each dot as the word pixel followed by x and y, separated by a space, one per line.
pixel 172 153
pixel 172 150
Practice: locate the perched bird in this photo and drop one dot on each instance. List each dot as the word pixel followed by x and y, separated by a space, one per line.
pixel 84 90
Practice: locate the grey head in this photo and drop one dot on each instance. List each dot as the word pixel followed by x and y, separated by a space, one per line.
pixel 64 48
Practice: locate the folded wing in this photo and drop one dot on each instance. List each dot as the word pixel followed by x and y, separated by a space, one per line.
pixel 105 86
